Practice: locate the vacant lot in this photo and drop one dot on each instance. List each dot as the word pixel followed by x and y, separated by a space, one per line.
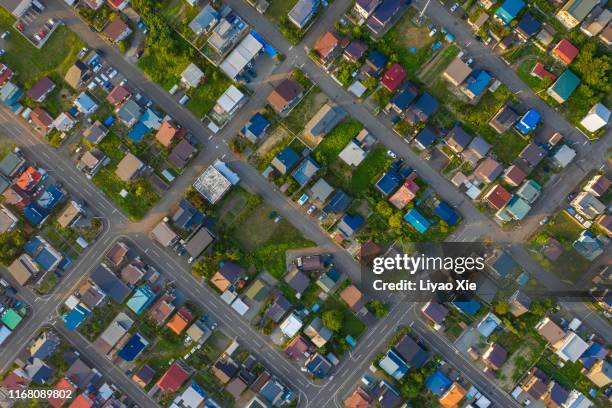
pixel 279 9
pixel 432 71
pixel 519 362
pixel 303 111
pixel 351 325
pixel 330 147
pixel 369 170
pixel 30 63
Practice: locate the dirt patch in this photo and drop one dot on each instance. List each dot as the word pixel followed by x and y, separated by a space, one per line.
pixel 519 363
pixel 232 206
pixel 276 136
pixel 412 36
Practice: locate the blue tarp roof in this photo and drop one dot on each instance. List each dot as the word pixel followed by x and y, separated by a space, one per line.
pixel 529 121
pixel 417 221
pixel 138 132
pixel 268 49
pixel 479 82
pixel 426 137
pixel 427 103
pixel 469 307
pixel 509 10
pixel 529 25
pixel 34 215
pixel 446 213
pixel 75 317
pixel 338 203
pixel 438 383
pixel 391 179
pixel 50 197
pixel 132 348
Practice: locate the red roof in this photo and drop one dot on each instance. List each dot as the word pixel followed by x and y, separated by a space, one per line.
pixel 514 175
pixel 119 94
pixel 326 44
pixel 41 118
pixel 393 77
pixel 566 51
pixel 498 197
pixel 28 179
pixel 14 381
pixel 173 378
pixel 115 3
pixel 82 401
pixel 62 384
pixel 5 74
pixel 541 72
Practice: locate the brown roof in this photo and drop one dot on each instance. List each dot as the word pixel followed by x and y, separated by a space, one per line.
pixel 182 152
pixel 488 170
pixel 165 134
pixel 284 94
pixel 68 215
pixel 326 44
pixel 605 222
pixel 132 272
pixel 352 297
pixel 552 249
pixel 404 194
pixel 497 197
pixel 41 118
pixel 514 175
pixel 599 184
pixel 162 308
pixel 128 167
pixel 118 95
pixel 358 399
pixel 549 330
pixel 117 254
pixel 114 29
pixel 40 88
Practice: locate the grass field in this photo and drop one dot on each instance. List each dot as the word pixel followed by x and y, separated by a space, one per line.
pixel 439 65
pixel 279 8
pixel 369 170
pixel 524 72
pixel 30 63
pixel 351 325
pixel 327 151
pixel 303 111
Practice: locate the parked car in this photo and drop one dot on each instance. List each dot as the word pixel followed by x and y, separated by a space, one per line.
pixel 5 34
pixel 454 7
pixel 2 51
pixel 311 209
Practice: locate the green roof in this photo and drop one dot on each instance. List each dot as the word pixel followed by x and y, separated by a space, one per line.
pixel 565 85
pixel 258 291
pixel 529 191
pixel 518 208
pixel 11 319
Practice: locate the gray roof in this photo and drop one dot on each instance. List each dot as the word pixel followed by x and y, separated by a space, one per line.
pixel 129 112
pixel 324 120
pixel 11 163
pixel 199 242
pixel 297 280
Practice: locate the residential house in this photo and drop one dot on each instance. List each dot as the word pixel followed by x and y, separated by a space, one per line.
pixel 476 84
pixel 412 352
pixel 514 176
pixel 41 89
pixel 405 194
pixel 318 366
pixel 519 303
pixel 338 203
pixel 374 64
pixel 570 348
pixel 529 191
pixel 285 160
pixel 497 197
pixel 278 308
pixel 116 255
pixel 6 74
pixel 588 205
pixel 574 11
pixel 129 168
pixel 327 118
pixel 365 8
pixel 225 34
pixel 394 77
pixel 598 185
pixel 457 139
pixel 565 51
pixel 457 72
pixel 329 280
pixel 119 95
pixel 352 154
pixel 417 221
pixel 285 95
pixel 403 98
pixel 425 138
pixel 320 191
pixel 597 117
pixel 256 128
pixel 205 20
pixel 8 220
pixel 604 222
pixel 488 170
pixel 214 182
pixel 539 71
pixel 563 156
pixel 297 281
pixel 435 312
pixel 355 51
pixel 487 4
pixel 64 122
pixel 353 298
pixel 163 234
pixel 116 31
pixel 110 284
pixel 187 216
pixel 12 164
pixel 606 35
pixel 118 4
pixel 85 104
pixel 349 224
pixel 173 378
pixel 601 373
pixel 133 272
pixel 495 356
pixel 564 86
pixel 179 322
pixel 527 27
pixel 91 162
pixel 327 48
pixel 359 398
pixel 380 20
pixel 42 120
pixel 78 74
pixel 162 308
pixel 393 365
pixel 291 325
pixel 182 152
pixel 509 10
pixel 228 274
pixel 516 209
pixel 168 133
pixel 589 246
pixel 144 376
pixel 318 333
pixel 246 51
pixel 544 38
pixel 303 11
pixel 532 154
pixel 95 133
pixel 192 75
pixel 453 396
pixel 423 108
pixel 476 23
pixel 599 21
pixel 305 171
pixel 503 119
pixel 199 242
pixel 140 300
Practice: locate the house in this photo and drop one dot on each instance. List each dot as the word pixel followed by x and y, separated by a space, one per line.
pixel 285 95
pixel 78 74
pixel 64 122
pixel 225 35
pixel 246 51
pixel 604 222
pixel 353 298
pixel 327 47
pixel 298 281
pixel 303 12
pixel 588 205
pixel 173 378
pixel 564 86
pixel 597 117
pixel 144 376
pixel 256 128
pixel 595 353
pixel 435 312
pixel 349 224
pixel 438 383
pixel 163 234
pixel 374 64
pixel 549 330
pixel 317 365
pixel 228 274
pixel 488 324
pixel 605 36
pixel 179 322
pixel 532 154
pixel 118 4
pixel 495 356
pixel 394 77
pixel 355 51
pixel 328 281
pixel 365 8
pixel 119 95
pixel 285 160
pixel 129 167
pixel 305 171
pixel 187 216
pixel 488 170
pixel 327 118
pixel 258 291
pixel 563 156
pixel 85 104
pixel 497 197
pixel 574 11
pixel 91 161
pixel 199 332
pixel 446 213
pixel 405 194
pixel 457 71
pixel 6 74
pixel 589 246
pixel 129 113
pixel 382 16
pixel 527 27
pixel 514 176
pixel 182 152
pixel 192 75
pixel 411 352
pixel 277 309
pixel 291 325
pixel 41 89
pixel 116 255
pixel 359 398
pixel 601 373
pixel 23 269
pixel 598 185
pixel 599 20
pixel 11 94
pixel 565 51
pixel 162 308
pixel 540 71
pixel 516 209
pixel 205 20
pixel 318 333
pixel 476 84
pixel 425 138
pixel 12 164
pixel 423 108
pixel 29 179
pixel 404 97
pixel 321 191
pixel 95 133
pixel 519 303
pixel 393 365
pixel 42 120
pixel 140 300
pixel 133 272
pixel 544 38
pixel 212 184
pixel 509 10
pixel 476 22
pixel 116 31
pixel 417 221
pixel 504 265
pixel 570 348
pixel 453 396
pixel 110 284
pixel 167 133
pixel 133 347
pixel 199 242
pixel 352 154
pixel 529 191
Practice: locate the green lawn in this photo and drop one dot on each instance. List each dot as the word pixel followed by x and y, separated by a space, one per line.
pixel 279 9
pixel 351 325
pixel 368 171
pixel 99 320
pixel 30 63
pixel 443 61
pixel 524 72
pixel 304 110
pixel 327 151
pixel 204 97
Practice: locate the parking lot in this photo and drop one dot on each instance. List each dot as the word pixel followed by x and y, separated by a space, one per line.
pixel 37 24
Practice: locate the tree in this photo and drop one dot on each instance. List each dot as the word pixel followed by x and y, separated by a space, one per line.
pixel 502 307
pixel 333 319
pixel 412 385
pixel 10 245
pixel 395 220
pixel 378 308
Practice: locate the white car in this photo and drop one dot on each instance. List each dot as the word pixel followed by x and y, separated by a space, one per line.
pixel 97 68
pixel 5 34
pixel 433 32
pixel 311 209
pixel 391 154
pixel 454 8
pixel 112 74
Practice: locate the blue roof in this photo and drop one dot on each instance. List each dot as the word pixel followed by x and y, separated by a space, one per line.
pixel 438 383
pixel 43 374
pixel 479 82
pixel 256 126
pixel 268 49
pixel 417 221
pixel 377 59
pixel 138 132
pixel 426 137
pixel 50 197
pixel 593 354
pixel 338 203
pixel 488 325
pixel 469 307
pixel 151 119
pixel 404 98
pixel 446 213
pixel 427 103
pixel 528 122
pixel 75 317
pixel 46 259
pixel 188 216
pixel 318 366
pixel 32 246
pixel 350 223
pixel 505 264
pixel 391 179
pixel 141 299
pixel 132 348
pixel 305 171
pixel 288 157
pixel 34 215
pixel 529 25
pixel 393 365
pixel 509 10
pixel 85 101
